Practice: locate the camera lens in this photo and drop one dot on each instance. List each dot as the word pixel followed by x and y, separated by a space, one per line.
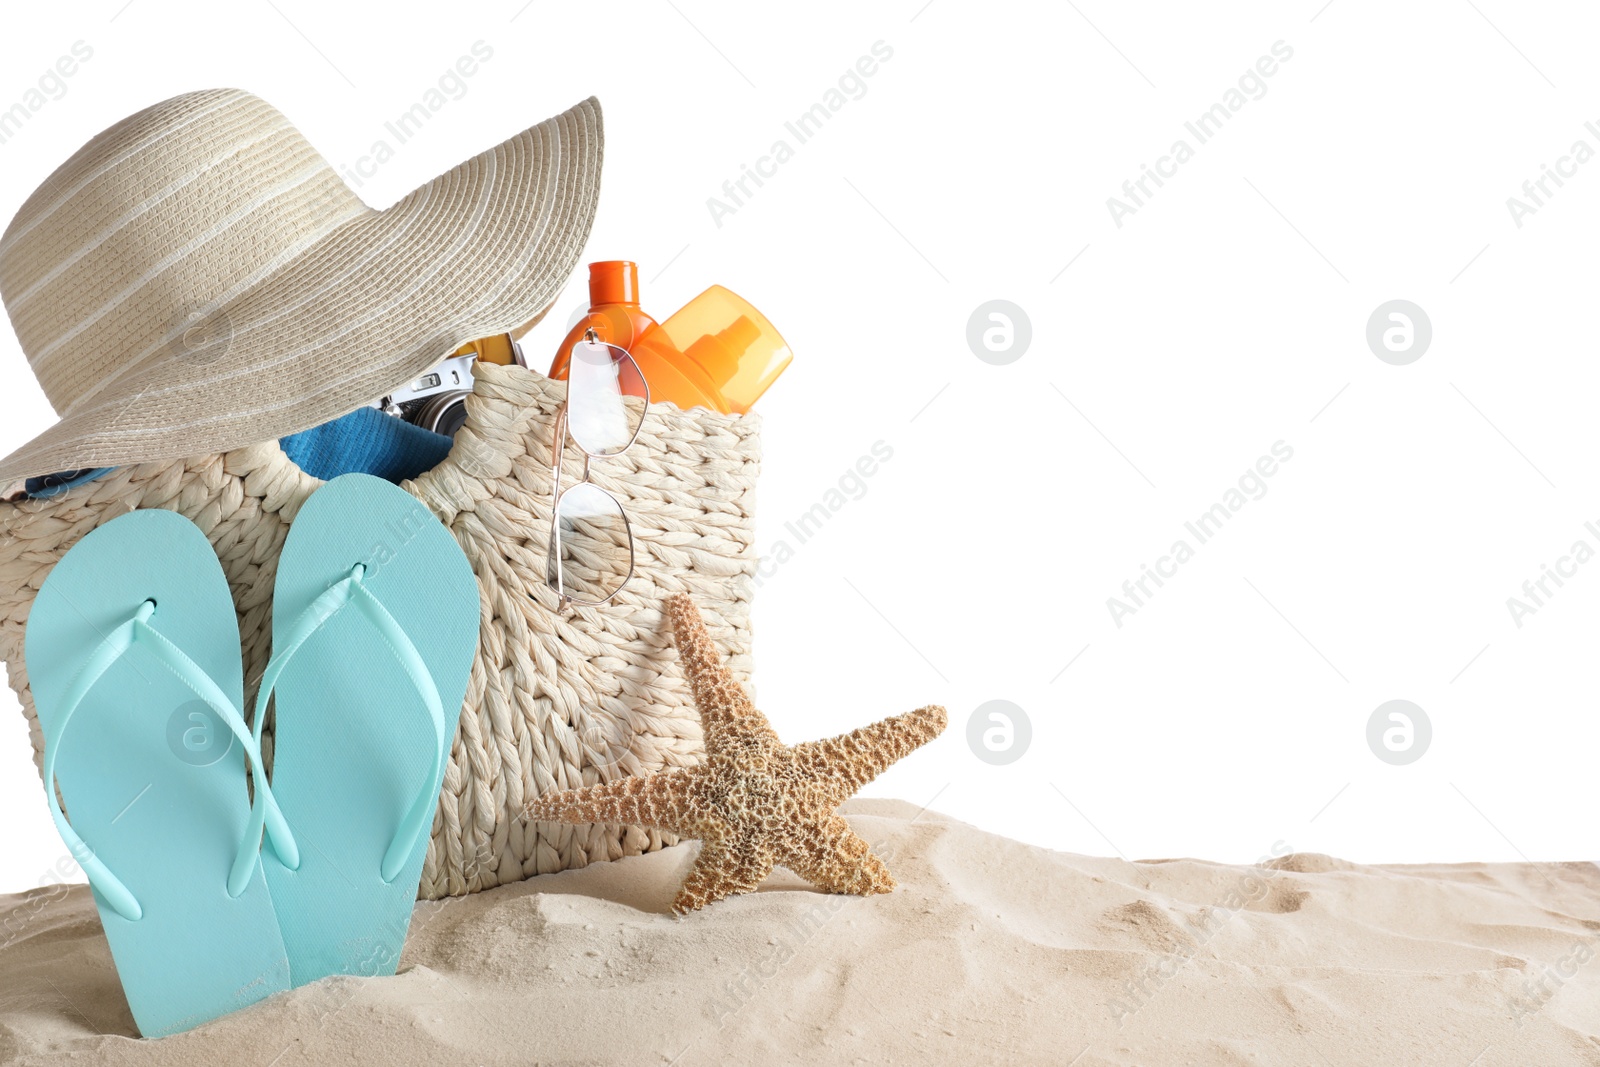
pixel 443 412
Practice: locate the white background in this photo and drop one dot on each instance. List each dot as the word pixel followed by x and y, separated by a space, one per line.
pixel 1227 314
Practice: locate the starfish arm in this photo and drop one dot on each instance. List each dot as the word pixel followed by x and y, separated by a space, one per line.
pixel 722 869
pixel 833 857
pixel 841 765
pixel 663 801
pixel 723 703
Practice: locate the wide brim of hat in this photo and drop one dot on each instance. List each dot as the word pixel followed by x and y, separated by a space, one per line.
pixel 374 304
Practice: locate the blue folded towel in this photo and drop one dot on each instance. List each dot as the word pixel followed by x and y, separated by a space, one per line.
pixel 46 486
pixel 367 441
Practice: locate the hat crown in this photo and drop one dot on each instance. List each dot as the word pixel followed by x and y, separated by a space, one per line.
pixel 128 249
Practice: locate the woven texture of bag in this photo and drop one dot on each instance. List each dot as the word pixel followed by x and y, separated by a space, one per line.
pixel 556 700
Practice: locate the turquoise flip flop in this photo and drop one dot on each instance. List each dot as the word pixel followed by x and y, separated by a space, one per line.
pixel 374 630
pixel 132 648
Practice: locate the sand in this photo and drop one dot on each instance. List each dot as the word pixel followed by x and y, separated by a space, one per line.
pixel 990 951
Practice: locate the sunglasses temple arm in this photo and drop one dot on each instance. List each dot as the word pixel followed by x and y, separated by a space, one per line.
pixel 558 449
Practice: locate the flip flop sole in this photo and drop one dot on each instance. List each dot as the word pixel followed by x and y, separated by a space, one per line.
pixel 150 777
pixel 354 743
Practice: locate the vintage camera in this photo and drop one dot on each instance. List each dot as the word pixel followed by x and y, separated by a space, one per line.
pixel 437 400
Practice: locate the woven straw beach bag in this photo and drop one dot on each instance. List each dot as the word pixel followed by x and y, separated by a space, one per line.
pixel 556 700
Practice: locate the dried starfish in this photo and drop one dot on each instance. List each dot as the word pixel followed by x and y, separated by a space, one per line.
pixel 755 802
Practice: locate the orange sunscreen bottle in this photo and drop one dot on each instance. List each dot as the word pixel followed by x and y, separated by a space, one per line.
pixel 614 312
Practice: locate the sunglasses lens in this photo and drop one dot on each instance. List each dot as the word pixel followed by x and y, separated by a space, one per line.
pixel 590 554
pixel 605 398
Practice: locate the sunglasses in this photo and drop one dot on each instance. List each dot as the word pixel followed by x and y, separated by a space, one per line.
pixel 591 541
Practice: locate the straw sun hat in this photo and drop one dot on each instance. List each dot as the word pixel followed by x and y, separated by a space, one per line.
pixel 197 278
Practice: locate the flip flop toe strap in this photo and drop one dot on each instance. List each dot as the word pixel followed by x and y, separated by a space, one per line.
pixel 418 817
pixel 138 631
